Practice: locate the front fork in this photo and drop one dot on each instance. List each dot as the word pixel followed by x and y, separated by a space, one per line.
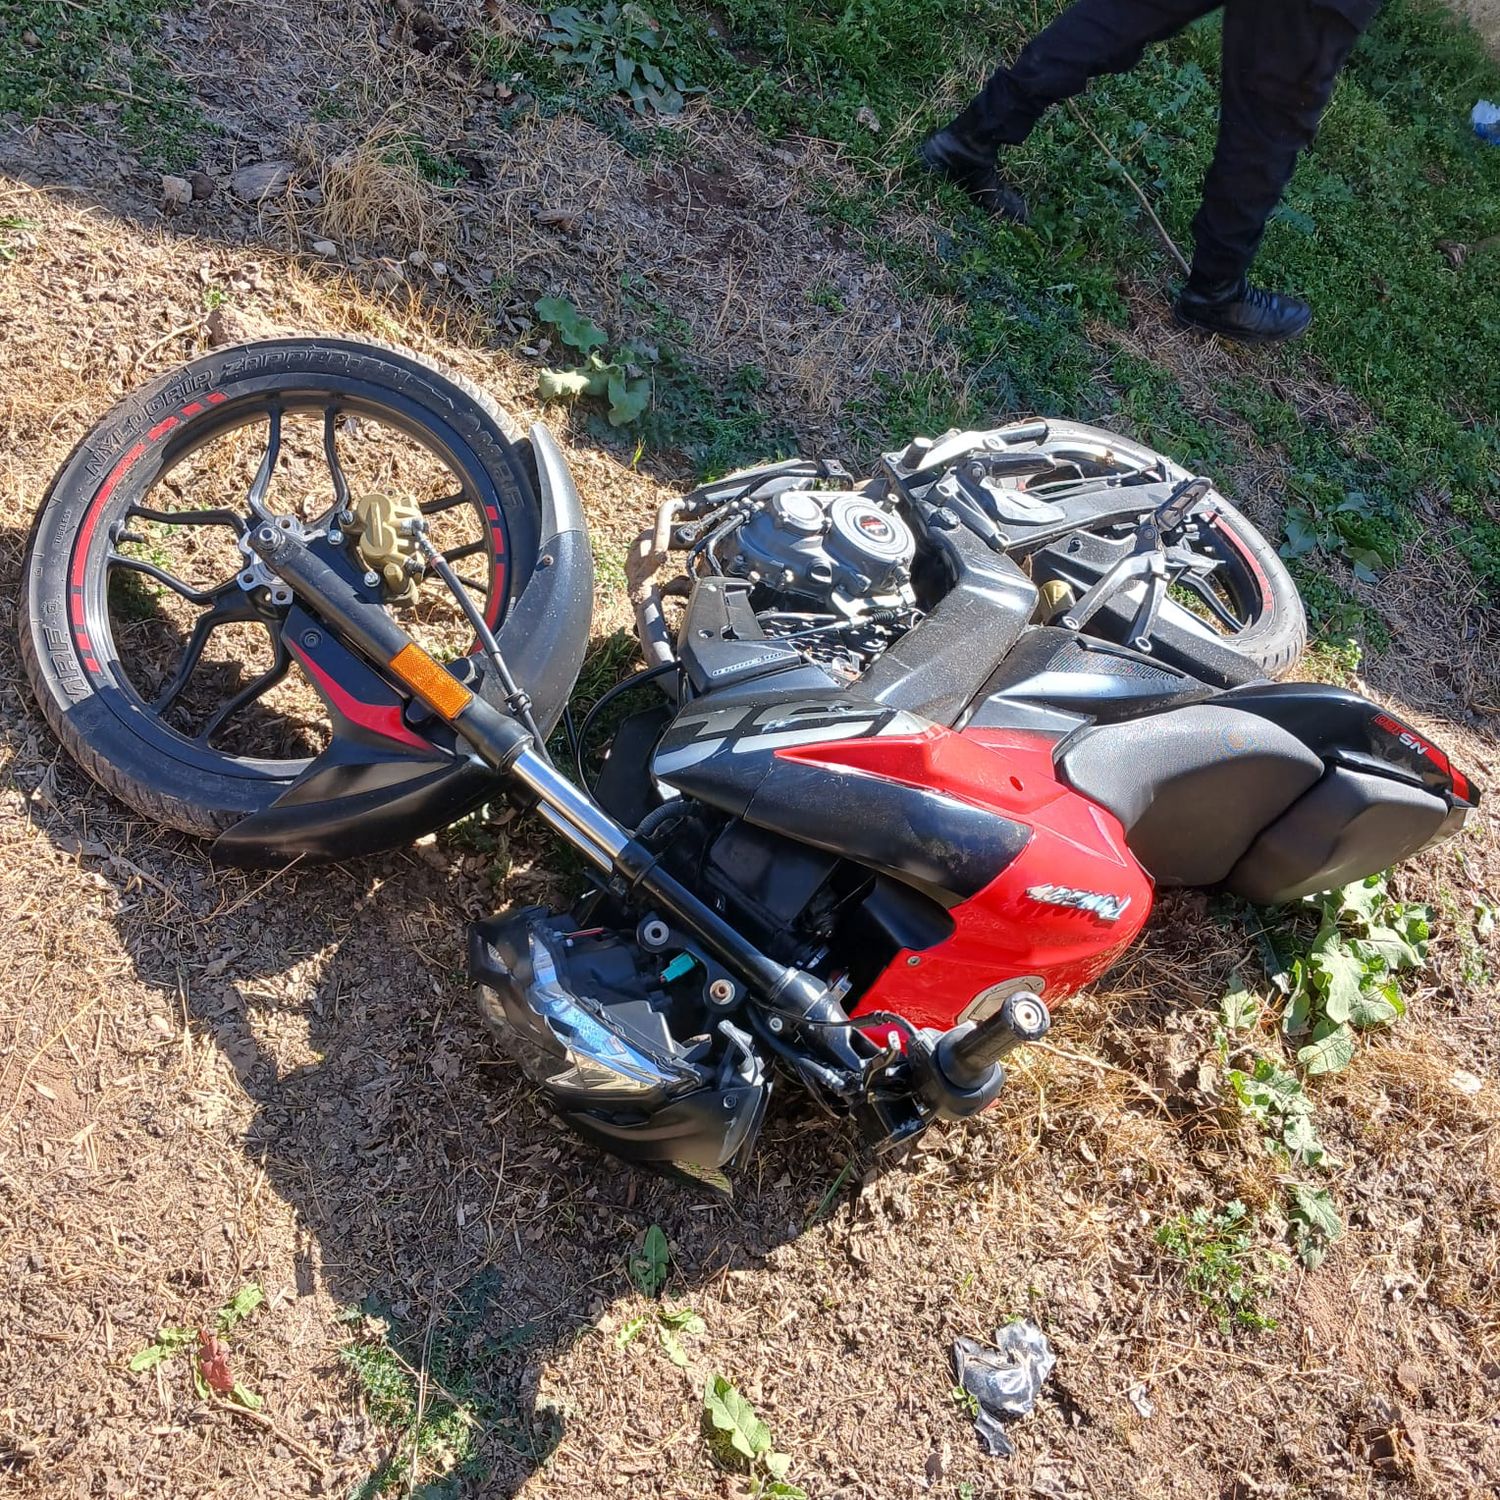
pixel 957 1075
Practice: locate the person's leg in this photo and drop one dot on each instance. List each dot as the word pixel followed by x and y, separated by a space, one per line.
pixel 1281 61
pixel 1088 39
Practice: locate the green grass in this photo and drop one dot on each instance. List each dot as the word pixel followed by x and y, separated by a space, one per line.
pixel 56 58
pixel 1396 171
pixel 430 164
pixel 1216 1253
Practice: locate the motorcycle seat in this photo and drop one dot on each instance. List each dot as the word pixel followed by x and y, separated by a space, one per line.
pixel 1194 786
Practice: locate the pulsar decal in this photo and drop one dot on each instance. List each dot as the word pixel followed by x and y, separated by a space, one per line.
pixel 1100 904
pixel 696 736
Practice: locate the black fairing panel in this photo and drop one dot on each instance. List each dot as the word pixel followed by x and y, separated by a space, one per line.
pixel 1194 787
pixel 724 651
pixel 936 669
pixel 727 757
pixel 1062 673
pixel 1342 726
pixel 944 847
pixel 1351 824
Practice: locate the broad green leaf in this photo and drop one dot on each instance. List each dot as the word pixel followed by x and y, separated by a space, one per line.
pixel 1392 948
pixel 1484 921
pixel 575 330
pixel 778 1465
pixel 1373 1009
pixel 673 1346
pixel 1339 974
pixel 1255 1099
pixel 1239 1009
pixel 246 1398
pixel 648 1266
pixel 1362 899
pixel 1301 533
pixel 734 1417
pixel 631 1331
pixel 241 1305
pixel 1301 1139
pixel 562 385
pixel 780 1489
pixel 1330 1050
pixel 168 1342
pixel 1281 1085
pixel 683 1320
pixel 628 399
pixel 1315 1223
pixel 1298 1015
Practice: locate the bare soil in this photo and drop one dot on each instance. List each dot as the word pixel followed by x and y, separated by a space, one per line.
pixel 1484 15
pixel 209 1078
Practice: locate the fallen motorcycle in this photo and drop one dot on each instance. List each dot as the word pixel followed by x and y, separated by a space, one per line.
pixel 901 776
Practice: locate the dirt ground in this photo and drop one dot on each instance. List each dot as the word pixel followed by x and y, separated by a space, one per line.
pixel 1485 17
pixel 209 1078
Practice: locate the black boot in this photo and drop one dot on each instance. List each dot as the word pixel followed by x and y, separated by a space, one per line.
pixel 973 167
pixel 1243 312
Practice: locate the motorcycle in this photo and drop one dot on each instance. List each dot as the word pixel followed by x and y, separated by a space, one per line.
pixel 912 760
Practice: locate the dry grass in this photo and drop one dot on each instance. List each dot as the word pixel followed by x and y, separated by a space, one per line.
pixel 371 192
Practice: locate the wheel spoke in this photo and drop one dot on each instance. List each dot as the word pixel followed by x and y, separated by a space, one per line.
pixel 229 604
pixel 331 454
pixel 247 694
pixel 471 549
pixel 139 565
pixel 478 585
pixel 192 654
pixel 262 481
pixel 186 518
pixel 447 502
pixel 1211 600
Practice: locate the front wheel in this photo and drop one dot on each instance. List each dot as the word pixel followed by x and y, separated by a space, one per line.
pixel 160 655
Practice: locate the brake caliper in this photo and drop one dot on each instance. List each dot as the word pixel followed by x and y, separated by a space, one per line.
pixel 387 541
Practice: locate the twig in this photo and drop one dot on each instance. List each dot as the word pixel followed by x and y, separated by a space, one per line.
pixel 1168 242
pixel 280 1434
pixel 162 343
pixel 416 1426
pixel 1104 1067
pixel 270 879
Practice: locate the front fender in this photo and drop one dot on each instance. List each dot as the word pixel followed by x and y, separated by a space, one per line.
pixel 361 797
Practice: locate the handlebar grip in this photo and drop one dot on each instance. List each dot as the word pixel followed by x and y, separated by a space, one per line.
pixel 966 1056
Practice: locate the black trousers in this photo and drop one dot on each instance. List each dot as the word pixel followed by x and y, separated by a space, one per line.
pixel 1281 60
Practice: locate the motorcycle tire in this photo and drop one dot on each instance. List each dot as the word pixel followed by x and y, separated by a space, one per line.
pixel 1276 634
pixel 67 646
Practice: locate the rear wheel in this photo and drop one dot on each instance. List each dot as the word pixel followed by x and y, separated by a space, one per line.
pixel 157 653
pixel 1237 592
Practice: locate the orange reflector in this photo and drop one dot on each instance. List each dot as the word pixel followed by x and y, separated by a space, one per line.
pixel 430 681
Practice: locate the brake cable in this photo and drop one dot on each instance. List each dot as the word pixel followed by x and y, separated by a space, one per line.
pixel 517 700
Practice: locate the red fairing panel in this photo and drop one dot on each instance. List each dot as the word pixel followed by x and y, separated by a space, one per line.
pixel 1023 926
